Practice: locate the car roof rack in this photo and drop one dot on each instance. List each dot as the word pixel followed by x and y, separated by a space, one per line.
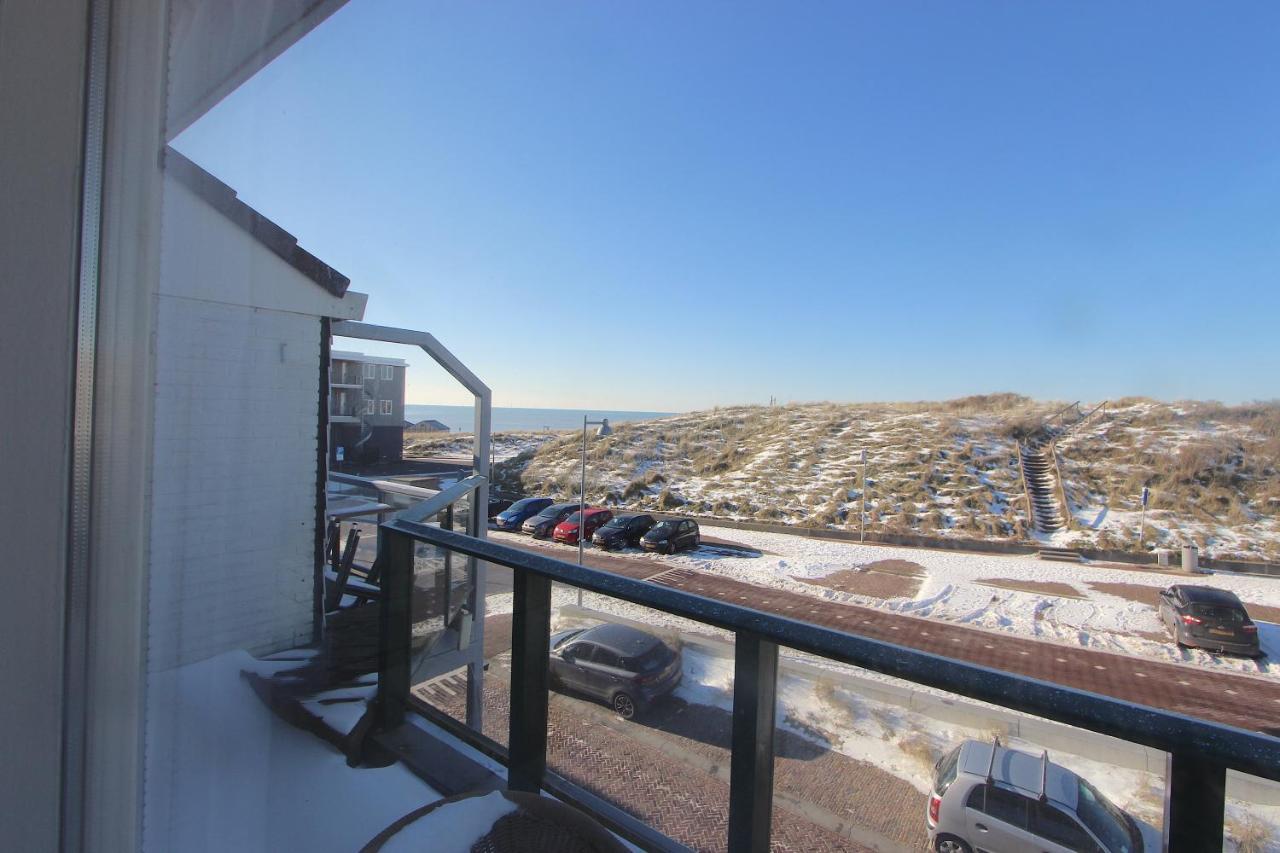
pixel 991 765
pixel 1044 776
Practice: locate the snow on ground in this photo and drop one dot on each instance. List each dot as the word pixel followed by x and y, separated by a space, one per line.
pixel 906 744
pixel 224 773
pixel 950 590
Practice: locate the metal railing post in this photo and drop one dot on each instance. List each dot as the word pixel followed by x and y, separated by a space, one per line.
pixel 1194 803
pixel 755 683
pixel 530 649
pixel 395 625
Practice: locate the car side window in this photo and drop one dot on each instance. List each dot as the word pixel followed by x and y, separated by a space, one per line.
pixel 1056 826
pixel 1007 807
pixel 977 798
pixel 579 652
pixel 604 657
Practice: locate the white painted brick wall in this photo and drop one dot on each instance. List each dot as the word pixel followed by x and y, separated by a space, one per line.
pixel 233 483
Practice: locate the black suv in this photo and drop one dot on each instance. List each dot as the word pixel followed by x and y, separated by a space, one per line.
pixel 671 535
pixel 622 530
pixel 542 524
pixel 621 665
pixel 1209 618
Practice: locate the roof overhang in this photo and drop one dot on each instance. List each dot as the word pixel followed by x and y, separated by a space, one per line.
pixel 216 45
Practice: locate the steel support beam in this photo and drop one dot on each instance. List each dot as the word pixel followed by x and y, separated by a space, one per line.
pixel 755 683
pixel 530 650
pixel 1194 803
pixel 395 626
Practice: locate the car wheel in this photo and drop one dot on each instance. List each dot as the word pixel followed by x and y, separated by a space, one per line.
pixel 624 706
pixel 951 844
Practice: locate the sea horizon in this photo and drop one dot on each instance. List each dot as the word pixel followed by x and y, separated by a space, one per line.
pixel 521 419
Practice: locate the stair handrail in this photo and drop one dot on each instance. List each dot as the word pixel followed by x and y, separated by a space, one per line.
pixel 1062 489
pixel 1075 426
pixel 1026 489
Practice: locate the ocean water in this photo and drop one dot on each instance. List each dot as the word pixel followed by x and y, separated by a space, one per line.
pixel 462 418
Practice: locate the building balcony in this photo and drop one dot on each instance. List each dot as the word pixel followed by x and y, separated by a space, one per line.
pixel 787 728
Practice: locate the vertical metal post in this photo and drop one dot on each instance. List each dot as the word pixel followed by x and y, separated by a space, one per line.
pixel 395 625
pixel 862 532
pixel 448 568
pixel 755 683
pixel 530 649
pixel 1194 804
pixel 582 500
pixel 479 569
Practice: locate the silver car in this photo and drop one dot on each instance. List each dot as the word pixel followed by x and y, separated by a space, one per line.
pixel 987 798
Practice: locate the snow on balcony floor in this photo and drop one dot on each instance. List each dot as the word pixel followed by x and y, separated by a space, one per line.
pixel 224 773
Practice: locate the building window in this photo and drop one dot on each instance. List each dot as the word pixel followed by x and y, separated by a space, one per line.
pixel 370 371
pixel 386 407
pixel 368 407
pixel 388 372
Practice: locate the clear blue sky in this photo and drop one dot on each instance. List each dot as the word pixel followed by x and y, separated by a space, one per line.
pixel 719 202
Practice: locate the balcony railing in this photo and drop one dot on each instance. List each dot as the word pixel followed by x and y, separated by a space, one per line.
pixel 1199 752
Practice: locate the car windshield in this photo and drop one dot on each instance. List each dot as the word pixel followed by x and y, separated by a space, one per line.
pixel 617 521
pixel 651 661
pixel 1219 613
pixel 521 504
pixel 664 527
pixel 566 638
pixel 1104 819
pixel 549 512
pixel 947 771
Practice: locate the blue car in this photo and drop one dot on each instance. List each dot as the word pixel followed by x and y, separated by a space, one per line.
pixel 513 516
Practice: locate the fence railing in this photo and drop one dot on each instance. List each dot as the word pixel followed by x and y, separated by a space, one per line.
pixel 1199 752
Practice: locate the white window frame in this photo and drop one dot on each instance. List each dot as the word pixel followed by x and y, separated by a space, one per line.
pixel 370 371
pixel 388 371
pixel 370 406
pixel 386 407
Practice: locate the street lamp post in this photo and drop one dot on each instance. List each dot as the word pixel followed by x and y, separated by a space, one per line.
pixel 604 430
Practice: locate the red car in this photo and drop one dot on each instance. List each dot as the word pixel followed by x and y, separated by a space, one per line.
pixel 567 530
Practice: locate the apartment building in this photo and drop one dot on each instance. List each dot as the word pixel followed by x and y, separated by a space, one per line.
pixel 366 408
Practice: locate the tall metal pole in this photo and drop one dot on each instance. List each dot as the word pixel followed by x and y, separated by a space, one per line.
pixel 1142 525
pixel 582 500
pixel 862 532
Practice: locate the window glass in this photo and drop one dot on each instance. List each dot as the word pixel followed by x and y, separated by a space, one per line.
pixel 978 798
pixel 1054 825
pixel 1007 807
pixel 947 771
pixel 1103 819
pixel 605 657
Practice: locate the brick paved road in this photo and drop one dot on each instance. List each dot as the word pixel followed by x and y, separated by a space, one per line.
pixel 678 797
pixel 1238 700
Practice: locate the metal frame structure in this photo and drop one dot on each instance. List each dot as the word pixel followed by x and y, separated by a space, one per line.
pixel 477 525
pixel 1199 752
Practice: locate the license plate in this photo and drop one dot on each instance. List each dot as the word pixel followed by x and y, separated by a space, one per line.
pixel 1218 632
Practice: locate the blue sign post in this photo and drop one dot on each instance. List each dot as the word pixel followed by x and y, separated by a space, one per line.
pixel 1142 525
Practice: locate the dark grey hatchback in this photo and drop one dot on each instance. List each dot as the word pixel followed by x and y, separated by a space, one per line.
pixel 620 665
pixel 1209 618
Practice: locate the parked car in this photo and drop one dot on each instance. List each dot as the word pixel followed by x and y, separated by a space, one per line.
pixel 498 505
pixel 1209 618
pixel 541 525
pixel 621 531
pixel 671 535
pixel 623 666
pixel 568 530
pixel 515 515
pixel 988 797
